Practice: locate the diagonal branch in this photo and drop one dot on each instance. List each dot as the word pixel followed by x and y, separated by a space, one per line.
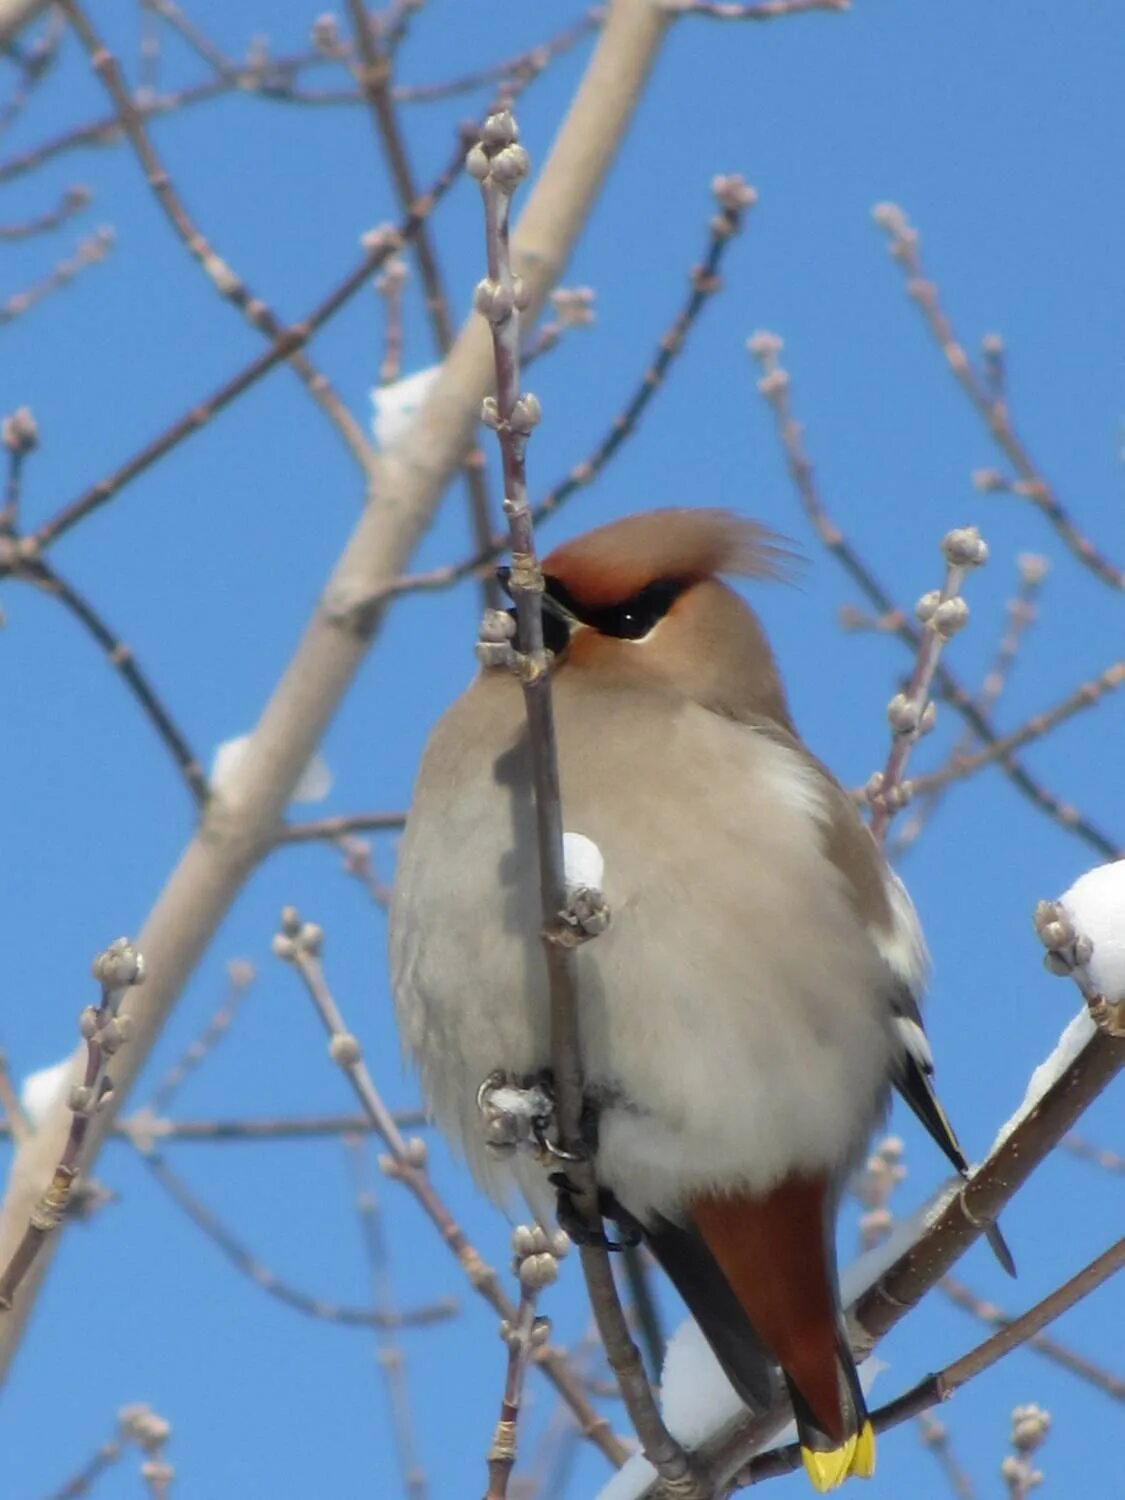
pixel 774 386
pixel 374 76
pixel 410 479
pixel 734 198
pixel 120 657
pixel 226 282
pixel 985 399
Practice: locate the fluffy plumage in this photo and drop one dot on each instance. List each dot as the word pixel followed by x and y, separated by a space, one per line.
pixel 742 1018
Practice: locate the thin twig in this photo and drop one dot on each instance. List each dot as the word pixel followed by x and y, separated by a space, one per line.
pixel 390 286
pixel 339 631
pixel 1021 611
pixel 704 283
pixel 499 164
pixel 83 1481
pixel 223 278
pixel 910 713
pixel 992 408
pixel 1109 1161
pixel 774 386
pixel 1059 1354
pixel 240 976
pixel 273 80
pixel 961 766
pixel 762 10
pixel 72 201
pixel 89 252
pixel 33 64
pixel 390 1355
pixel 200 44
pixel 116 969
pixel 299 943
pixel 210 1225
pixel 374 76
pixel 934 1436
pixel 536 1265
pixel 291 338
pixel 328 830
pixel 43 576
pixel 142 1127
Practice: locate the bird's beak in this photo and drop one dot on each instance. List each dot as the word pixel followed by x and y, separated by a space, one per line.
pixel 558 620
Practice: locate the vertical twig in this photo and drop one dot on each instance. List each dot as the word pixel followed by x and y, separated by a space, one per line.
pixel 499 163
pixel 374 77
pixel 911 713
pixel 390 1355
pixel 299 943
pixel 536 1265
pixel 116 969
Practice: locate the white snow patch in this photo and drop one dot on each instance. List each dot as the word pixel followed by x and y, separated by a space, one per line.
pixel 40 1090
pixel 583 863
pixel 1080 1030
pixel 397 404
pixel 1095 905
pixel 314 784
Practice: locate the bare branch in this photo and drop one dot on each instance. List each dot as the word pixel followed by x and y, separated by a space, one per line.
pixel 1021 611
pixel 299 944
pixel 945 1383
pixel 992 409
pixel 774 386
pixel 1059 1354
pixel 117 969
pixel 1109 1161
pixel 210 1225
pixel 378 250
pixel 240 976
pixel 43 576
pixel 934 1436
pixel 392 1360
pixel 411 477
pixel 762 10
pixel 960 766
pixel 330 829
pixel 704 283
pixel 536 1265
pixel 83 1481
pixel 499 164
pixel 223 278
pixel 89 252
pixel 72 202
pixel 374 76
pixel 910 713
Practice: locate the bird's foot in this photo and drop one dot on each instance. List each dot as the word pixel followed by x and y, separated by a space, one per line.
pixel 515 1115
pixel 582 1233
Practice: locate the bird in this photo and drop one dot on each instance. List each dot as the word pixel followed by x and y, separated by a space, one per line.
pixel 756 995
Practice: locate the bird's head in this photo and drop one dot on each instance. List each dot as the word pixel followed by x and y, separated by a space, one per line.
pixel 642 597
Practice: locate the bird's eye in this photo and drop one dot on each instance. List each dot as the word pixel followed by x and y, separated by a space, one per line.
pixel 635 617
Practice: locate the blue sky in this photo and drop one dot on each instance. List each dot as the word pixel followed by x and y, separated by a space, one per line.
pixel 998 129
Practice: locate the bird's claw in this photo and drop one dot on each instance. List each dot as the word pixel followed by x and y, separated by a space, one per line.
pixel 582 1233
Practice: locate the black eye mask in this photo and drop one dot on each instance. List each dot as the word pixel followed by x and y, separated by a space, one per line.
pixel 629 620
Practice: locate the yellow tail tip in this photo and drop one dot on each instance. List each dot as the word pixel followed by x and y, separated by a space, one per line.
pixel 827 1471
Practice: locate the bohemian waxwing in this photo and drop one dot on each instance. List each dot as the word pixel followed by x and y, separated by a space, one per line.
pixel 756 993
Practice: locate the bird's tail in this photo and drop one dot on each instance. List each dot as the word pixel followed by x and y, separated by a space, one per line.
pixel 829 1460
pixel 775 1253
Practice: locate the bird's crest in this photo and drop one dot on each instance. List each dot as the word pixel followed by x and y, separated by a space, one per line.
pixel 615 562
